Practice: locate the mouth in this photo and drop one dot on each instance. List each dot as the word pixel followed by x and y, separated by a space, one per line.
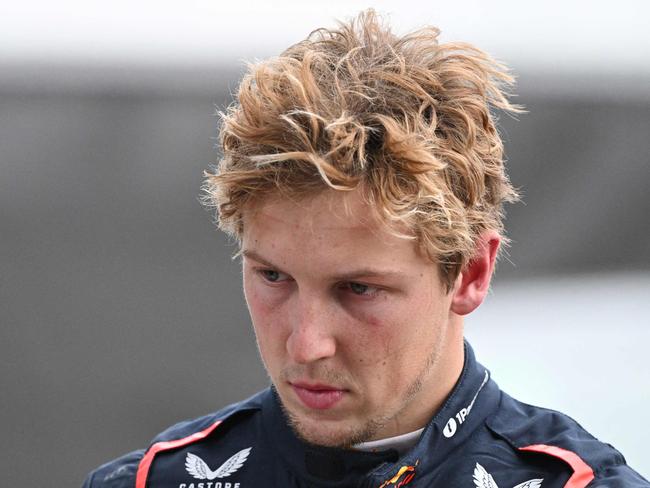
pixel 317 396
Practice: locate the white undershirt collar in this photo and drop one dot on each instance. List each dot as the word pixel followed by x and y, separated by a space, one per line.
pixel 401 443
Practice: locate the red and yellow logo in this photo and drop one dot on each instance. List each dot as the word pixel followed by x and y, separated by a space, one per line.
pixel 403 477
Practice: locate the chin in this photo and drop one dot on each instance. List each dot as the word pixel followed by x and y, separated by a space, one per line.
pixel 342 433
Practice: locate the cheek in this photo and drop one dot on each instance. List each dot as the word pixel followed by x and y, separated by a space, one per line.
pixel 259 306
pixel 371 340
pixel 374 321
pixel 267 316
pixel 374 315
pixel 395 338
pixel 256 297
pixel 263 300
pixel 386 323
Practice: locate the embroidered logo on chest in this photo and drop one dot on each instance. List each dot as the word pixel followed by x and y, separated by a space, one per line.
pixel 483 479
pixel 200 470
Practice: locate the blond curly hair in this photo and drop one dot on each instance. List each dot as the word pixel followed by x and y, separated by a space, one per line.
pixel 407 121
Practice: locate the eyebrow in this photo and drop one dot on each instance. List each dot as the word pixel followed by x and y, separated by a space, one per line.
pixel 253 255
pixel 348 276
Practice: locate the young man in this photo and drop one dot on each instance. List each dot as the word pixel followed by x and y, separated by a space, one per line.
pixel 363 177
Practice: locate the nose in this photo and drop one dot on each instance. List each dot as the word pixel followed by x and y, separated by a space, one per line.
pixel 311 337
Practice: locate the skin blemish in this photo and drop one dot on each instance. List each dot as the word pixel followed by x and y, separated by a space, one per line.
pixel 374 321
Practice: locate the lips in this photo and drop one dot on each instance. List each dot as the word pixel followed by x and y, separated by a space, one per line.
pixel 317 396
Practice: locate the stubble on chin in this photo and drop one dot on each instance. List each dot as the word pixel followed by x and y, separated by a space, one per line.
pixel 343 437
pixel 315 432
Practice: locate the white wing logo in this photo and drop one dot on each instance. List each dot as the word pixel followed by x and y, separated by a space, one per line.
pixel 198 468
pixel 483 479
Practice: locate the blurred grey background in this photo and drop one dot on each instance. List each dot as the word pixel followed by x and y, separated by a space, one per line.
pixel 120 306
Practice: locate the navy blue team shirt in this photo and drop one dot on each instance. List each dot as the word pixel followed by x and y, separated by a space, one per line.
pixel 481 437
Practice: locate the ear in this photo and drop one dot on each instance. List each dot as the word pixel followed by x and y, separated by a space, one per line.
pixel 473 282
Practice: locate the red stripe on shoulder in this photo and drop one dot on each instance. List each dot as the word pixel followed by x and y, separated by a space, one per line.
pixel 582 472
pixel 145 463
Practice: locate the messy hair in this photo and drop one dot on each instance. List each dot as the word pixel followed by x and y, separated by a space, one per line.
pixel 407 121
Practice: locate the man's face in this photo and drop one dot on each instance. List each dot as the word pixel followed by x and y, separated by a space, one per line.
pixel 353 325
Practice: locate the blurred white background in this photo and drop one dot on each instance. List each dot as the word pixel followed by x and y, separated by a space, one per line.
pixel 572 36
pixel 574 344
pixel 120 308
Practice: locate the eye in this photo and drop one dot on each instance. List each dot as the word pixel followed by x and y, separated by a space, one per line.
pixel 272 276
pixel 361 289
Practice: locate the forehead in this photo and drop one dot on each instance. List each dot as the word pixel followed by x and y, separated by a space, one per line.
pixel 328 215
pixel 325 210
pixel 331 230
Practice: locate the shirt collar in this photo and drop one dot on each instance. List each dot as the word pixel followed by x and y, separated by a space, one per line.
pixel 401 443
